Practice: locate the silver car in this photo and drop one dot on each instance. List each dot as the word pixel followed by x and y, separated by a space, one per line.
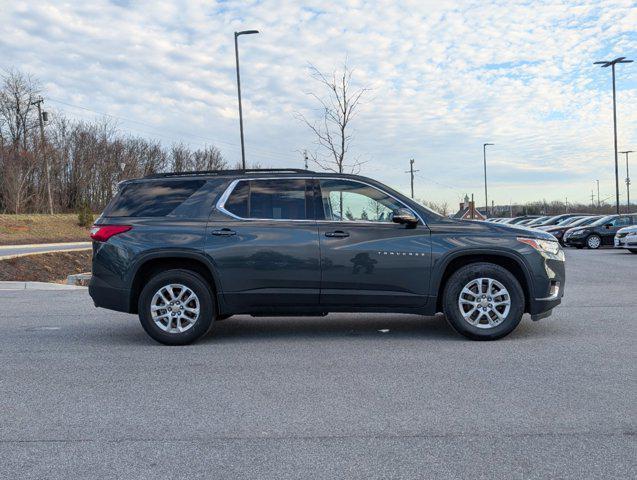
pixel 627 238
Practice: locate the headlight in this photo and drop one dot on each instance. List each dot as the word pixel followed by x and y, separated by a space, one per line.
pixel 577 232
pixel 542 246
pixel 631 234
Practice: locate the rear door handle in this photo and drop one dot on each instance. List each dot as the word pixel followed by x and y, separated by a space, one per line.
pixel 337 234
pixel 224 232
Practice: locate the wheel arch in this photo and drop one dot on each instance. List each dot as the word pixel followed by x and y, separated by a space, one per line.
pixel 507 260
pixel 157 262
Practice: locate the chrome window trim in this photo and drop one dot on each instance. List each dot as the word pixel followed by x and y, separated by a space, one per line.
pixel 220 205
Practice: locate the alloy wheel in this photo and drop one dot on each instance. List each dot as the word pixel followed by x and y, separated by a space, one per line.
pixel 593 242
pixel 484 303
pixel 175 308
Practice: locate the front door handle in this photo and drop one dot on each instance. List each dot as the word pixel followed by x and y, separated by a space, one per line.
pixel 337 234
pixel 224 232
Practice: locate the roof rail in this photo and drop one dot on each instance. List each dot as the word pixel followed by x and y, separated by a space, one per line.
pixel 227 172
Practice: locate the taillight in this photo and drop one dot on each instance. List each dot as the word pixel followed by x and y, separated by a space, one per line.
pixel 102 233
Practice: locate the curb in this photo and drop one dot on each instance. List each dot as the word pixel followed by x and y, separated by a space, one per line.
pixel 80 279
pixel 37 286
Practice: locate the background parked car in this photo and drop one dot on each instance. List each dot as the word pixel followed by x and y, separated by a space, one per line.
pixel 527 221
pixel 538 221
pixel 627 238
pixel 558 231
pixel 601 232
pixel 522 219
pixel 558 220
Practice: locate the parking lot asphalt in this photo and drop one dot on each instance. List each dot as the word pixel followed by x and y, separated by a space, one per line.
pixel 84 393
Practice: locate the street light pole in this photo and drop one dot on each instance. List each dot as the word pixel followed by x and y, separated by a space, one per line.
pixel 626 152
pixel 236 55
pixel 604 64
pixel 486 197
pixel 597 193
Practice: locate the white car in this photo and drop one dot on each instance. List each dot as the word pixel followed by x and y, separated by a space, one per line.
pixel 627 238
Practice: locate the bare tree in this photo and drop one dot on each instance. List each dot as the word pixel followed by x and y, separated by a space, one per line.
pixel 87 159
pixel 17 94
pixel 332 132
pixel 441 207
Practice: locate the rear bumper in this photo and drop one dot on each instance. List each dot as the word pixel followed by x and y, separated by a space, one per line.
pixel 106 296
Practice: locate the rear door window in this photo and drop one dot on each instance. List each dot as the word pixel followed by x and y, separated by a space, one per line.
pixel 152 198
pixel 277 199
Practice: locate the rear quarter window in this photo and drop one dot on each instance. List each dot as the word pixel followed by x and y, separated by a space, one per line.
pixel 152 198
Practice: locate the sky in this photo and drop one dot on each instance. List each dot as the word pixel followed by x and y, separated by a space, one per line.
pixel 442 77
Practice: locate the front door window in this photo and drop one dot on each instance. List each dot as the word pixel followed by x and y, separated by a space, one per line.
pixel 351 201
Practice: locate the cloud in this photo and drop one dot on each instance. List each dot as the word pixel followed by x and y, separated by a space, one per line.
pixel 445 77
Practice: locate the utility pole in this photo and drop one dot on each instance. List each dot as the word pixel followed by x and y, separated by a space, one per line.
pixel 411 171
pixel 236 55
pixel 486 198
pixel 41 117
pixel 305 158
pixel 592 199
pixel 604 64
pixel 626 152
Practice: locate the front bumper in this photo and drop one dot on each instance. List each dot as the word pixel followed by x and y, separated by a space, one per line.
pixel 549 280
pixel 577 241
pixel 629 241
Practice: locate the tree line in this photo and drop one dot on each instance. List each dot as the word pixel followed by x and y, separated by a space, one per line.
pixel 85 160
pixel 71 165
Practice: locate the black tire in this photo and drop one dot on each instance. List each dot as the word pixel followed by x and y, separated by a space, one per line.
pixel 593 242
pixel 462 277
pixel 194 282
pixel 579 248
pixel 632 250
pixel 221 318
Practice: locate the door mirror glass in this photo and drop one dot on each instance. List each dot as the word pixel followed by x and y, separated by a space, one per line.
pixel 404 216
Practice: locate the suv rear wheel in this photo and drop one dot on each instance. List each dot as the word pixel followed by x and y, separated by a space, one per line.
pixel 483 301
pixel 176 307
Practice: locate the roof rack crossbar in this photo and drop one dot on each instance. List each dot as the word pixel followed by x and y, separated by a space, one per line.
pixel 227 172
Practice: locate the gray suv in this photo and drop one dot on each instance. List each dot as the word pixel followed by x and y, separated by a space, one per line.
pixel 184 250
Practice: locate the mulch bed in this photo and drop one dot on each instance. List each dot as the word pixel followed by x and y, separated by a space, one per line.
pixel 45 267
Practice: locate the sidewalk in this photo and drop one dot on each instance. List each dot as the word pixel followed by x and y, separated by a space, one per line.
pixel 15 251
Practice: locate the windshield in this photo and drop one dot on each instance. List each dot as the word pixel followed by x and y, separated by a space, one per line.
pixel 537 221
pixel 602 220
pixel 568 220
pixel 582 221
pixel 551 220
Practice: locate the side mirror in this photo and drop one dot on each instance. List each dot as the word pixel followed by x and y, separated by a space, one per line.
pixel 404 216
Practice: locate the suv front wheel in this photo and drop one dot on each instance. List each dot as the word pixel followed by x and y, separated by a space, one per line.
pixel 483 301
pixel 176 307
